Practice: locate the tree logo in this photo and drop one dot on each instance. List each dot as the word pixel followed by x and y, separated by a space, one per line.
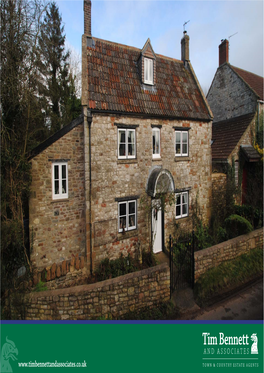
pixel 8 351
pixel 254 347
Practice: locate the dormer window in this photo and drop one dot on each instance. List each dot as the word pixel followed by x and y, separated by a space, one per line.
pixel 148 71
pixel 147 65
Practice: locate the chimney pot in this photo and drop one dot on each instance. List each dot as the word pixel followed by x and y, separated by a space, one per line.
pixel 223 52
pixel 87 6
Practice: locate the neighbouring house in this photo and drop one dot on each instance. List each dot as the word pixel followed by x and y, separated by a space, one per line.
pixel 236 100
pixel 145 130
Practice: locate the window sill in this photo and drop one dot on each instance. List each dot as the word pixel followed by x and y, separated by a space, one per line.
pixel 60 200
pixel 156 158
pixel 127 234
pixel 125 161
pixel 183 218
pixel 181 159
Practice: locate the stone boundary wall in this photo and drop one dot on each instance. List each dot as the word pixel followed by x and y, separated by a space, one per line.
pixel 215 255
pixel 113 297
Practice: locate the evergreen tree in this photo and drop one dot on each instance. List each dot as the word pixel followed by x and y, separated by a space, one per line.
pixel 72 105
pixel 54 66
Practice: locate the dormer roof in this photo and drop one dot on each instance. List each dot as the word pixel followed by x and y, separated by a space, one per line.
pixel 147 50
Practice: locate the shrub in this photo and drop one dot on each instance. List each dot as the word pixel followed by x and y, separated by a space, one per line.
pixel 253 215
pixel 221 235
pixel 237 225
pixel 41 286
pixel 114 268
pixel 118 267
pixel 148 259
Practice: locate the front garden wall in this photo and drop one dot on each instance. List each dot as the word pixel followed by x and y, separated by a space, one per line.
pixel 110 298
pixel 215 255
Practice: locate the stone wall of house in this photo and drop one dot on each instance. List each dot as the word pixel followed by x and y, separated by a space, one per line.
pixel 247 139
pixel 112 178
pixel 108 298
pixel 229 96
pixel 215 255
pixel 57 227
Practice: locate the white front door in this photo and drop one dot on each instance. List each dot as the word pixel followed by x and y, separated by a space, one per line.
pixel 156 227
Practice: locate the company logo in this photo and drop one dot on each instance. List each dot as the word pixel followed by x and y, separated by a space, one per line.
pixel 8 352
pixel 230 345
pixel 254 347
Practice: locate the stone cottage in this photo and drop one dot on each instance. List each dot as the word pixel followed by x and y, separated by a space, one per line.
pixel 145 130
pixel 236 100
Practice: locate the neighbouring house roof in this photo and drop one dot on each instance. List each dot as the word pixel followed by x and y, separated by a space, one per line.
pixel 227 133
pixel 254 81
pixel 63 131
pixel 250 153
pixel 114 84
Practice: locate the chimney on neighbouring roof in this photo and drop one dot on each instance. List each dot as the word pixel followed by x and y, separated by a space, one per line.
pixel 185 47
pixel 223 52
pixel 87 6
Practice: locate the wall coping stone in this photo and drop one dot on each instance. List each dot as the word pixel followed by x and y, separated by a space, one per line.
pixel 89 287
pixel 231 242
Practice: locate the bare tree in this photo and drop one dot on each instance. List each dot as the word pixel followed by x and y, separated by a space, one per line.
pixel 75 69
pixel 22 121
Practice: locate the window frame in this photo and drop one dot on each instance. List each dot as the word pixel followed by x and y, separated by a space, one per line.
pixel 127 215
pixel 148 71
pixel 155 155
pixel 60 195
pixel 181 204
pixel 127 156
pixel 181 154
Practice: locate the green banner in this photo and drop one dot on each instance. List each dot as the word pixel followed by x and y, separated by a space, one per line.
pixel 132 347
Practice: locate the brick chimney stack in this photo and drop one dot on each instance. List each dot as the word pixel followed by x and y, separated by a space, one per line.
pixel 223 52
pixel 87 6
pixel 185 47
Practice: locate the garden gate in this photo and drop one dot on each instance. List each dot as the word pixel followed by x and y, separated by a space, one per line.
pixel 182 263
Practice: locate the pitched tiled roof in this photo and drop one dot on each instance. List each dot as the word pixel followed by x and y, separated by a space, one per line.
pixel 226 134
pixel 254 81
pixel 114 84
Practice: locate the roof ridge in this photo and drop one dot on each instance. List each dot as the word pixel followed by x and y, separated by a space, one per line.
pixel 117 44
pixel 234 118
pixel 135 48
pixel 246 71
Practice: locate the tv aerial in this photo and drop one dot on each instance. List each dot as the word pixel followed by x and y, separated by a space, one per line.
pixel 232 35
pixel 185 23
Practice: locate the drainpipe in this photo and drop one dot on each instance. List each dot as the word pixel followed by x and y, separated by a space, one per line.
pixel 89 118
pixel 259 102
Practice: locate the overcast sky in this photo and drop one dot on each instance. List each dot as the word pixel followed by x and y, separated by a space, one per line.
pixel 133 22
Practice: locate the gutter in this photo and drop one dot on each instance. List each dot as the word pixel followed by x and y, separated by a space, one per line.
pixel 149 116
